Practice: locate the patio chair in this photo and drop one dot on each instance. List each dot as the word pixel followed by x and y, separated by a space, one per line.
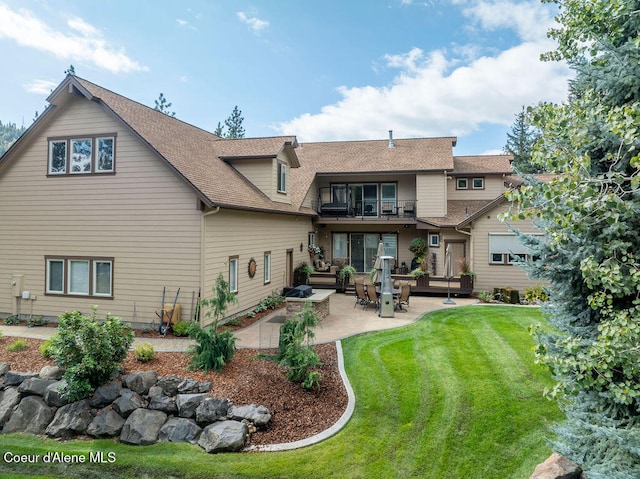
pixel 361 295
pixel 373 297
pixel 405 294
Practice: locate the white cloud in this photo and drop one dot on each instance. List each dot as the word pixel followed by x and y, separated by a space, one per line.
pixel 185 24
pixel 437 94
pixel 85 43
pixel 41 87
pixel 255 24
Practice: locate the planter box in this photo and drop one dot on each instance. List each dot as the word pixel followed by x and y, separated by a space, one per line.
pixel 422 281
pixel 466 282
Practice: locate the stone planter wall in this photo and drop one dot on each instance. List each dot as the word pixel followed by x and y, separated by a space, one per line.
pixel 139 408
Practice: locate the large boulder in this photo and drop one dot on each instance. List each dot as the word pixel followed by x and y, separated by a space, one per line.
pixel 188 403
pixel 35 386
pixel 51 372
pixel 15 378
pixel 31 416
pixel 4 367
pixel 71 420
pixel 180 429
pixel 140 381
pixel 557 467
pixel 128 402
pixel 164 403
pixel 107 423
pixel 142 427
pixel 54 394
pixel 189 386
pixel 106 394
pixel 9 398
pixel 212 410
pixel 224 436
pixel 258 415
pixel 169 384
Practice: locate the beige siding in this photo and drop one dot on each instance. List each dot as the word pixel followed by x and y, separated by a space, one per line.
pixel 493 187
pixel 259 172
pixel 143 216
pixel 491 275
pixel 431 193
pixel 248 235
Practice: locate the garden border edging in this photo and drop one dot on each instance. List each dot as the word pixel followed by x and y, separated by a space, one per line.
pixel 327 433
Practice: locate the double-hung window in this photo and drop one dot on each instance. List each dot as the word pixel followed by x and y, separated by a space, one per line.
pixel 82 155
pixel 79 276
pixel 506 248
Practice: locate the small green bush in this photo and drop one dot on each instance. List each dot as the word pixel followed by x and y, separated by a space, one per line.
pixel 10 320
pixel 536 294
pixel 46 348
pixel 485 296
pixel 17 345
pixel 34 321
pixel 144 352
pixel 88 351
pixel 181 328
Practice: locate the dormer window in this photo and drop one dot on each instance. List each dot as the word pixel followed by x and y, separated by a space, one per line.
pixel 282 177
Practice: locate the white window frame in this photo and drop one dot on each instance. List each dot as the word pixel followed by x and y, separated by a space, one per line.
pixel 282 177
pixel 481 185
pixel 462 183
pixel 72 143
pixel 97 154
pixel 267 267
pixel 71 277
pixel 233 274
pixel 512 252
pixel 66 157
pixel 434 240
pixel 48 276
pixel 95 277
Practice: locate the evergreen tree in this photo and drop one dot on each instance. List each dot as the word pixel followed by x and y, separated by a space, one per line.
pixel 233 123
pixel 590 254
pixel 163 105
pixel 9 133
pixel 520 143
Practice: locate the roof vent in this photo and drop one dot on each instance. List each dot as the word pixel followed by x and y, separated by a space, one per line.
pixel 391 143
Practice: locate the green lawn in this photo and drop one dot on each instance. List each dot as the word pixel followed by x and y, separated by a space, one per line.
pixel 455 395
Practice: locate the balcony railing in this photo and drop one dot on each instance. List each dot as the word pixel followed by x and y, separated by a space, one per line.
pixel 366 209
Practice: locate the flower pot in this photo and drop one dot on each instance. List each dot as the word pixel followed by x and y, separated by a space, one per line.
pixel 422 281
pixel 466 281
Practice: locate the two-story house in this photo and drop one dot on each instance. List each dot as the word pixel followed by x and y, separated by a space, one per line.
pixel 106 201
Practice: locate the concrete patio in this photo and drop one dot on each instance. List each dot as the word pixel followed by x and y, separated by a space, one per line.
pixel 343 321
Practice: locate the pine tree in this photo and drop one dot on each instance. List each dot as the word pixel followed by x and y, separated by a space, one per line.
pixel 520 143
pixel 9 133
pixel 234 124
pixel 591 250
pixel 163 105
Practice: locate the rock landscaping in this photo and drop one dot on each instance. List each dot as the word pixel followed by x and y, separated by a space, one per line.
pixel 138 408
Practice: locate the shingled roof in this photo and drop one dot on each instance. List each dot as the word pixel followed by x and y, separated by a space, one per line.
pixel 482 165
pixel 194 154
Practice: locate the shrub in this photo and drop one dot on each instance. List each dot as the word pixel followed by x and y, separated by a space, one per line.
pixel 535 294
pixel 89 352
pixel 34 321
pixel 293 354
pixel 214 349
pixel 181 328
pixel 485 296
pixel 17 345
pixel 144 352
pixel 13 319
pixel 301 274
pixel 47 348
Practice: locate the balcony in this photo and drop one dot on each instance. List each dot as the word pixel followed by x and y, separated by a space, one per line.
pixel 366 209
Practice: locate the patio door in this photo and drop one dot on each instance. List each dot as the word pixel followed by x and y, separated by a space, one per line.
pixel 363 251
pixel 364 199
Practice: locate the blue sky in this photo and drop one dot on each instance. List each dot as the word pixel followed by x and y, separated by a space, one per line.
pixel 322 70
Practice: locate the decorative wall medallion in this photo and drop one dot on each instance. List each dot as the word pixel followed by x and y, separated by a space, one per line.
pixel 252 268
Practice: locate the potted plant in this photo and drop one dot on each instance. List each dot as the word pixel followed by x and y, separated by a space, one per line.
pixel 421 276
pixel 419 248
pixel 302 274
pixel 345 275
pixel 466 275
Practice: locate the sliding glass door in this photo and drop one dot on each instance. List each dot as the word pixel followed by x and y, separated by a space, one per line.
pixel 364 199
pixel 363 250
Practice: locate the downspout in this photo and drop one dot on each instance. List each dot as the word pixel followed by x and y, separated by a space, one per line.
pixel 202 245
